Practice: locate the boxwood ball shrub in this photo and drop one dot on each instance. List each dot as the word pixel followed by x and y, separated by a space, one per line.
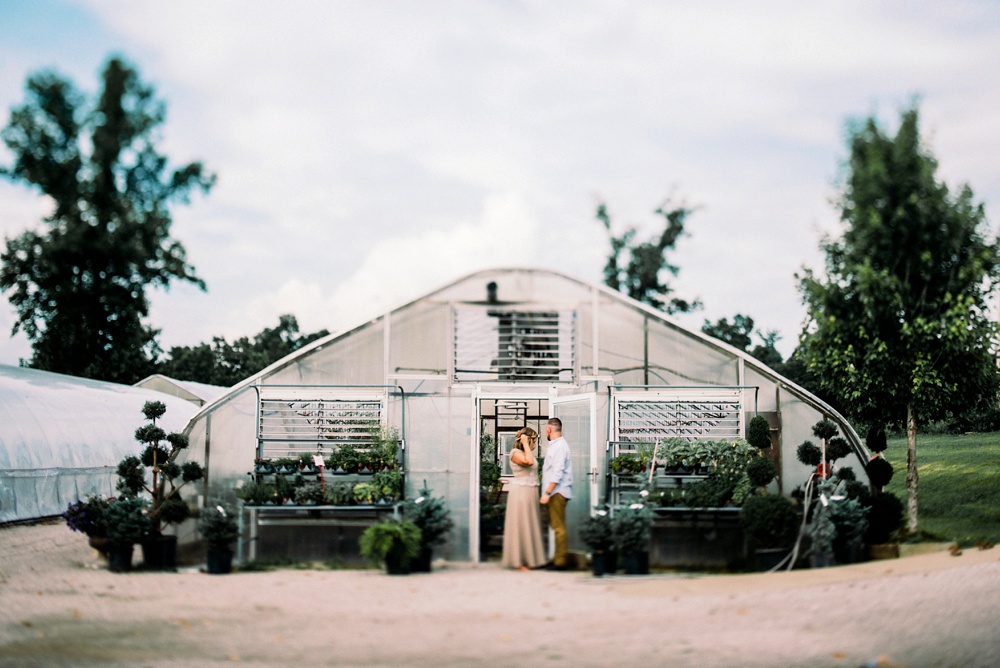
pixel 759 432
pixel 836 448
pixel 825 429
pixel 876 440
pixel 760 470
pixel 770 520
pixel 809 453
pixel 879 472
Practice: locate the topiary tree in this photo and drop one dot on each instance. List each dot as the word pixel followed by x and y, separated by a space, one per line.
pixel 879 472
pixel 167 477
pixel 761 472
pixel 809 453
pixel 876 440
pixel 759 432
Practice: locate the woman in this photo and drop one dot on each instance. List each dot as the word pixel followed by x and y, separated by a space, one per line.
pixel 522 528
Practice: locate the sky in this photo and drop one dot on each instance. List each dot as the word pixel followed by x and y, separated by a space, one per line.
pixel 370 152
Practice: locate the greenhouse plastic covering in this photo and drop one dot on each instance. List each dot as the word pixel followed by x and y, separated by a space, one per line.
pixel 62 437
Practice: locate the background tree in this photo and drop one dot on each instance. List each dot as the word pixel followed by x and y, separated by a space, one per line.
pixel 637 269
pixel 225 364
pixel 739 334
pixel 79 285
pixel 898 327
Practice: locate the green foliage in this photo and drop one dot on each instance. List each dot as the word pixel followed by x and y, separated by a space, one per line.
pixel 641 277
pixel 837 448
pixel 430 514
pixel 633 528
pixel 489 468
pixel 885 518
pixel 79 284
pixel 900 327
pixel 389 483
pixel 625 464
pixel 167 477
pixel 760 471
pixel 309 493
pixel 809 453
pixel 257 493
pixel 769 520
pixel 759 432
pixel 391 539
pixel 822 530
pixel 87 516
pixel 218 525
pixel 879 472
pixel 738 335
pixel 598 532
pixel 126 520
pixel 876 440
pixel 225 364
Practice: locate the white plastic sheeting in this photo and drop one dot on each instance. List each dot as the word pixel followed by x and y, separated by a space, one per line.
pixel 197 393
pixel 61 437
pixel 419 352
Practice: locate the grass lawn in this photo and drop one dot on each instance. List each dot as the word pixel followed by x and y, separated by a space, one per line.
pixel 958 485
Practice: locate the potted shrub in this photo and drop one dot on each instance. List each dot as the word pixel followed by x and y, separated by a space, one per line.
pixel 885 518
pixel 163 486
pixel 219 528
pixel 599 536
pixel 760 471
pixel 87 517
pixel 431 516
pixel 389 484
pixel 633 533
pixel 769 522
pixel 392 542
pixel 257 493
pixel 127 523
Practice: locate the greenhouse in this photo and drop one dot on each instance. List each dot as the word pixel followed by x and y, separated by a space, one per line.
pixel 197 393
pixel 61 437
pixel 454 374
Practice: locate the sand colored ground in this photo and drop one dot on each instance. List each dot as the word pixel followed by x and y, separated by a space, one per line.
pixel 59 606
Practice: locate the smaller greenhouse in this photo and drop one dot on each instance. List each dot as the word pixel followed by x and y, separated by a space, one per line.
pixel 455 373
pixel 62 437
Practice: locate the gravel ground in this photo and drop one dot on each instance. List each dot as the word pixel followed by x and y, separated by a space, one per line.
pixel 60 606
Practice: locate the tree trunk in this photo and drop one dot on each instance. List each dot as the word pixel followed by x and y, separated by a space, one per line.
pixel 911 467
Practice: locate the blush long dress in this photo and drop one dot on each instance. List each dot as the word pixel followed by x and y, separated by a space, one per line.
pixel 522 526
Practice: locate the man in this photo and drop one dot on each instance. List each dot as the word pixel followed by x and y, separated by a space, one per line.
pixel 557 488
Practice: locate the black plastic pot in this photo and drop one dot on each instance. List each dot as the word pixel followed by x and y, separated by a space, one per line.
pixel 218 562
pixel 422 564
pixel 159 553
pixel 636 563
pixel 120 558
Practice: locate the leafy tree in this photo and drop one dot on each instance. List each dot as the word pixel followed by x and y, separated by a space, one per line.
pixel 738 334
pixel 637 268
pixel 79 284
pixel 898 327
pixel 223 363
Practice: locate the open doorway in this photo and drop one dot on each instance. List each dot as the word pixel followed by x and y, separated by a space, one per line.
pixel 499 420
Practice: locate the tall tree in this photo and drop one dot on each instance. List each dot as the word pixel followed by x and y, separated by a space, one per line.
pixel 899 328
pixel 739 334
pixel 223 363
pixel 637 269
pixel 79 285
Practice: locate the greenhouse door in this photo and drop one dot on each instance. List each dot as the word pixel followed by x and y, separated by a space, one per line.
pixel 580 430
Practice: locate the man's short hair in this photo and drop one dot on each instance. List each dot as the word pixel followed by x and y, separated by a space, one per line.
pixel 556 424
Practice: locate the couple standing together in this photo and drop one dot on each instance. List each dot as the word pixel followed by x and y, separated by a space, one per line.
pixel 523 547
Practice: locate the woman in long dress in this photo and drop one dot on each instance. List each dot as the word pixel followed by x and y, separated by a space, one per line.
pixel 522 527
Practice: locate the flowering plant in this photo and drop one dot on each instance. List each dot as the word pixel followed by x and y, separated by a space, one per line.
pixel 87 516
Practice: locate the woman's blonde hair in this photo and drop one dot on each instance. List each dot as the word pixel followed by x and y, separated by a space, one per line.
pixel 531 433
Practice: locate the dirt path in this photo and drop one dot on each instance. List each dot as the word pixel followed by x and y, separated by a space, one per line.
pixel 59 606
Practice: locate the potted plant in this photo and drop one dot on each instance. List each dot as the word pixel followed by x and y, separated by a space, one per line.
pixel 431 516
pixel 286 465
pixel 87 517
pixel 219 527
pixel 350 458
pixel 389 484
pixel 769 522
pixel 599 536
pixel 339 494
pixel 625 464
pixel 163 486
pixel 633 533
pixel 257 493
pixel 127 523
pixel 392 542
pixel 364 494
pixel 309 494
pixel 262 466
